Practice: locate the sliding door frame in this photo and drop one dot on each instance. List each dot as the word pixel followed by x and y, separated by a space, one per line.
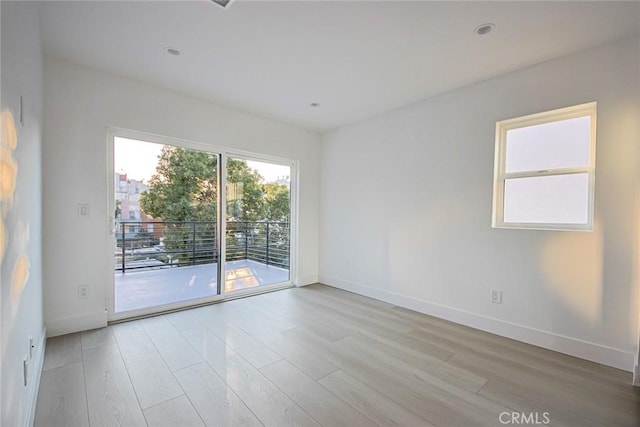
pixel 223 153
pixel 293 215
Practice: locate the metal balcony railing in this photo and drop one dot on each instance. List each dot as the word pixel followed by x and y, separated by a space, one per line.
pixel 163 244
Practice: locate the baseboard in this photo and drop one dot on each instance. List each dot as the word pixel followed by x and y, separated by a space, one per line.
pixel 36 365
pixel 69 325
pixel 306 280
pixel 594 352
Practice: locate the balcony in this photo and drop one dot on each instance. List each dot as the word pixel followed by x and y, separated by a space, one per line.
pixel 159 263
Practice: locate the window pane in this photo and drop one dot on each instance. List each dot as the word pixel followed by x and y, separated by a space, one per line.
pixel 560 144
pixel 258 212
pixel 557 199
pixel 166 242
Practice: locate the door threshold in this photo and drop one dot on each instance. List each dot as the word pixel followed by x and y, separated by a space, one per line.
pixel 243 293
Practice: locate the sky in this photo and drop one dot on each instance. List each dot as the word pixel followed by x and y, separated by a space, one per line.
pixel 139 158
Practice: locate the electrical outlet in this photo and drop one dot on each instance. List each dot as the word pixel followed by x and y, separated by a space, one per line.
pixel 83 291
pixel 496 296
pixel 83 210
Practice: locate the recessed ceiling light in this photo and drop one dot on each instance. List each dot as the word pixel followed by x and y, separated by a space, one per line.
pixel 222 3
pixel 315 104
pixel 172 51
pixel 484 29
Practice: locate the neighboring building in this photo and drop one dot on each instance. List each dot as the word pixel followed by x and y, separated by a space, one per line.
pixel 128 189
pixel 284 180
pixel 127 192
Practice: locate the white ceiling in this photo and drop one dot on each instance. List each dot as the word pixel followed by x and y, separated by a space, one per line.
pixel 357 59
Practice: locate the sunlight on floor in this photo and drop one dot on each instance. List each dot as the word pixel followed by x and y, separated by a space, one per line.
pixel 240 278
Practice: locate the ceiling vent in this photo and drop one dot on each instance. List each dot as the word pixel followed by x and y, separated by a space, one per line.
pixel 222 3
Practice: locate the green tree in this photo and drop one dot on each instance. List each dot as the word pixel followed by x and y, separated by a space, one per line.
pixel 183 191
pixel 276 209
pixel 246 202
pixel 276 202
pixel 184 186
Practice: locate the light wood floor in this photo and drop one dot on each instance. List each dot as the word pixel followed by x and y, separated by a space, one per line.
pixel 318 356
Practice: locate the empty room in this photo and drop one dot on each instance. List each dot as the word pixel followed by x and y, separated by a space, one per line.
pixel 320 213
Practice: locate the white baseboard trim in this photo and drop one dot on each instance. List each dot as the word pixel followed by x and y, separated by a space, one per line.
pixel 35 371
pixel 306 280
pixel 69 325
pixel 594 352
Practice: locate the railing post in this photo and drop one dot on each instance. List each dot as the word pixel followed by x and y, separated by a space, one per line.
pixel 193 243
pixel 124 251
pixel 246 240
pixel 215 245
pixel 267 260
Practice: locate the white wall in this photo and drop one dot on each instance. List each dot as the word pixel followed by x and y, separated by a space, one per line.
pixel 20 300
pixel 80 103
pixel 406 211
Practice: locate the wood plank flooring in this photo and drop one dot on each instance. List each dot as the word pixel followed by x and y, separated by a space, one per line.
pixel 318 356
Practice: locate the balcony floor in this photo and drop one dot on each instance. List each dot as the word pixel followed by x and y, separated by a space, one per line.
pixel 135 290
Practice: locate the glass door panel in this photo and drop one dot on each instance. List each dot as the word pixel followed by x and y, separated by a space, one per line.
pixel 258 212
pixel 166 246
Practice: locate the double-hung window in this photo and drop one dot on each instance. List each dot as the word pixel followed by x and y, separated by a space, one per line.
pixel 545 170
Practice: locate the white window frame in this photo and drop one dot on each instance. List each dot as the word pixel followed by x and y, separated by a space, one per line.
pixel 500 174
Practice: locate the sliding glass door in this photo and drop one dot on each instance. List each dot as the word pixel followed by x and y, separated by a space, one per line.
pixel 258 218
pixel 166 225
pixel 178 239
